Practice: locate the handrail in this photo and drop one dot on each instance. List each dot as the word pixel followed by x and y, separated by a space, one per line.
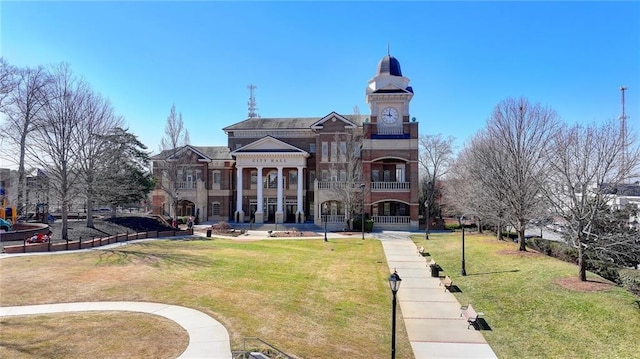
pixel 244 347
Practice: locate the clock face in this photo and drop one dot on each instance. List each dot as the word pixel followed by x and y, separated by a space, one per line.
pixel 389 115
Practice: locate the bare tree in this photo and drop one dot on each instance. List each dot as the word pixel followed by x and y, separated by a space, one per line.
pixel 458 189
pixel 169 161
pixel 586 172
pixel 464 194
pixel 94 156
pixel 436 157
pixel 55 143
pixel 347 168
pixel 8 82
pixel 512 152
pixel 25 105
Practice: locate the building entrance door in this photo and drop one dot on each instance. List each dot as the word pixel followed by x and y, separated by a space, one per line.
pixel 291 213
pixel 271 212
pixel 271 206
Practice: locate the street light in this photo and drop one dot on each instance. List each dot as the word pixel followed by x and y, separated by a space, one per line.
pixel 394 284
pixel 362 186
pixel 463 271
pixel 324 210
pixel 426 221
pixel 426 213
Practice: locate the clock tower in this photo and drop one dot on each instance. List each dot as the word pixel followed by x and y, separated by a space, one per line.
pixel 388 96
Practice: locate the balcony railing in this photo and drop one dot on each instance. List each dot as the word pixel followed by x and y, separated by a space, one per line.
pixel 333 218
pixel 391 219
pixel 390 186
pixel 338 185
pixel 186 185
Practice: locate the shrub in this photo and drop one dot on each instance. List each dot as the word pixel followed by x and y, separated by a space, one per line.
pixel 630 279
pixel 554 249
pixel 452 226
pixel 605 269
pixel 566 253
pixel 368 224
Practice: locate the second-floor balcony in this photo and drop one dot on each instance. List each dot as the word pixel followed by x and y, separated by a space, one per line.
pixel 338 185
pixel 186 185
pixel 375 186
pixel 391 186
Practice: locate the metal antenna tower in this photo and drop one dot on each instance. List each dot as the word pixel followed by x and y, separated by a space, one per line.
pixel 623 130
pixel 252 102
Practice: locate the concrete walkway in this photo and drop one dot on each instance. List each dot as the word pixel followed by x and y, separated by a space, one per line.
pixel 431 314
pixel 207 337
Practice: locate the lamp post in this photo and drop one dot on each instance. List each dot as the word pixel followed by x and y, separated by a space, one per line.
pixel 362 186
pixel 463 271
pixel 324 216
pixel 426 212
pixel 394 284
pixel 426 219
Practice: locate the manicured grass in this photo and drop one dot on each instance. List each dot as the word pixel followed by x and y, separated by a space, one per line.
pixel 308 298
pixel 91 335
pixel 530 315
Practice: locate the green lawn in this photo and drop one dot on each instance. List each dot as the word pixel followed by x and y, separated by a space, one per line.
pixel 529 313
pixel 331 300
pixel 309 298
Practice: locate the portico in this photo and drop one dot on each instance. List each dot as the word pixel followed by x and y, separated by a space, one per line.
pixel 264 163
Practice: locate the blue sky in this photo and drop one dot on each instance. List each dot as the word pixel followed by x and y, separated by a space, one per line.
pixel 310 58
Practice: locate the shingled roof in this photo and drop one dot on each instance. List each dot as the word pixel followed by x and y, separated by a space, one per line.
pixel 273 124
pixel 293 123
pixel 210 152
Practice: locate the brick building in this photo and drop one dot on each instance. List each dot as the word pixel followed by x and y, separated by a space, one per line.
pixel 295 170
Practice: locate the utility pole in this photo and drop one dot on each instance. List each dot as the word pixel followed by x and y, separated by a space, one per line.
pixel 623 131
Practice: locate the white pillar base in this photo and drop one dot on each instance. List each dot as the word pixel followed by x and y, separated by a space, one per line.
pixel 239 216
pixel 259 219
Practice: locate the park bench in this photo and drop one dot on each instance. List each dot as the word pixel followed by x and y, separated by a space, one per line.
pixel 469 313
pixel 447 283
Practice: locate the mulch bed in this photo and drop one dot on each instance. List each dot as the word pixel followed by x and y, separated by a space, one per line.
pixel 294 234
pixel 139 224
pixel 574 283
pixel 515 252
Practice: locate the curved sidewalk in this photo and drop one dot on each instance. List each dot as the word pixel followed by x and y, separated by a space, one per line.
pixel 207 337
pixel 431 314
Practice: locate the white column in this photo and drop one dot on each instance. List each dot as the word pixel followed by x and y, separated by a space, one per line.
pixel 239 191
pixel 279 212
pixel 300 208
pixel 280 190
pixel 259 186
